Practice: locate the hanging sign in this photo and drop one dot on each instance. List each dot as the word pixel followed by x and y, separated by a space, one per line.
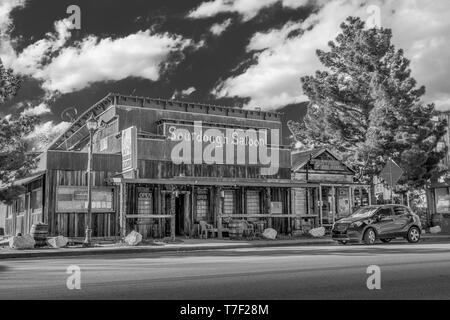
pixel 129 149
pixel 276 207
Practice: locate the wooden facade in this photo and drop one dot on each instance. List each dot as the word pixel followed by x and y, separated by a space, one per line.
pixel 159 195
pixel 335 196
pixel 57 169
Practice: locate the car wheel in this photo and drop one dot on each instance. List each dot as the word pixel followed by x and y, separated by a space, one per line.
pixel 413 235
pixel 370 236
pixel 386 240
pixel 343 242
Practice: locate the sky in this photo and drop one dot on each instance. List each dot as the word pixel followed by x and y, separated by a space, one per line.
pixel 244 53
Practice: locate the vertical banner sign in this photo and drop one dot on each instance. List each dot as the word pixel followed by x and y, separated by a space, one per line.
pixel 129 149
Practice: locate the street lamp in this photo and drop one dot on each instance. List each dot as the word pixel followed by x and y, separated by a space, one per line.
pixel 92 126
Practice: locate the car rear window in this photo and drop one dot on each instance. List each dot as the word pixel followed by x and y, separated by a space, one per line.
pixel 400 210
pixel 385 211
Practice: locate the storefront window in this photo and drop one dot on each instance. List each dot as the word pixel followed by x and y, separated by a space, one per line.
pixel 343 202
pixel 229 202
pixel 361 197
pixel 19 204
pixel 8 212
pixel 36 200
pixel 202 204
pixel 442 200
pixel 253 202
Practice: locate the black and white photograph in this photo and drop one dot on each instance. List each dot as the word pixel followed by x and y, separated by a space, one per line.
pixel 221 155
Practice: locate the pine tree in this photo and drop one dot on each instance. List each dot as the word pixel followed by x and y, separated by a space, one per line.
pixel 367 106
pixel 15 160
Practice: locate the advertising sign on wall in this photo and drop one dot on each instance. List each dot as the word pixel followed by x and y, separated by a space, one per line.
pixel 74 199
pixel 276 207
pixel 129 149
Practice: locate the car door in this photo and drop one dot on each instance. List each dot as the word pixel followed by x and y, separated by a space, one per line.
pixel 402 217
pixel 384 221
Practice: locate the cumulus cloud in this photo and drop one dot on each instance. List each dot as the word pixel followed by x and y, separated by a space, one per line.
pixel 188 91
pixel 38 110
pixel 31 60
pixel 64 69
pixel 6 48
pixel 274 80
pixel 218 28
pixel 183 93
pixel 92 60
pixel 248 9
pixel 45 133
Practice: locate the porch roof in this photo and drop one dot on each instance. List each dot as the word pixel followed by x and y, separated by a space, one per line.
pixel 29 179
pixel 198 181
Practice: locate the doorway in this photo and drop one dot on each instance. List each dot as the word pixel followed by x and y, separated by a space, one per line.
pixel 327 206
pixel 179 214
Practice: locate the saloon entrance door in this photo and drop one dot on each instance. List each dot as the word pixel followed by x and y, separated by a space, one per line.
pixel 179 215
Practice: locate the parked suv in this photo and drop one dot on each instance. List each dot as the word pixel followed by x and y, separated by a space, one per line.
pixel 383 222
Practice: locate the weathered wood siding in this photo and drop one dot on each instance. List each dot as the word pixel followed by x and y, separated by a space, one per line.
pixel 166 169
pixel 72 224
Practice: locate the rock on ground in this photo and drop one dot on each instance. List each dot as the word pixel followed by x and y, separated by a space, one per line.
pixel 317 232
pixel 270 233
pixel 22 242
pixel 435 230
pixel 57 242
pixel 133 238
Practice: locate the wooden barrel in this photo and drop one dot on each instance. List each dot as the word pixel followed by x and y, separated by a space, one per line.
pixel 236 229
pixel 436 219
pixel 39 233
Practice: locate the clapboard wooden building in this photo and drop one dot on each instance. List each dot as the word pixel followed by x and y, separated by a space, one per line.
pixel 331 194
pixel 162 168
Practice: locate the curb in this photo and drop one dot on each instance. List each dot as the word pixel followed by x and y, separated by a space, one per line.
pixel 435 239
pixel 143 249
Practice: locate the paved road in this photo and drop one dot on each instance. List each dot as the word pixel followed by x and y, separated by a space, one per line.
pixel 315 272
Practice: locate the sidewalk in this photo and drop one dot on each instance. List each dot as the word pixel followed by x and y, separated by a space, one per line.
pixel 184 246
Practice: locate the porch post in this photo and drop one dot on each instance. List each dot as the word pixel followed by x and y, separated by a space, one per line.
pixel 320 205
pixel 267 202
pixel 123 209
pixel 333 203
pixel 172 215
pixel 193 204
pixel 350 200
pixel 187 214
pixel 219 212
pixel 288 205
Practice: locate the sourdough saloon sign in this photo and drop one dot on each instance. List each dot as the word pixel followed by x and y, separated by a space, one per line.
pixel 198 145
